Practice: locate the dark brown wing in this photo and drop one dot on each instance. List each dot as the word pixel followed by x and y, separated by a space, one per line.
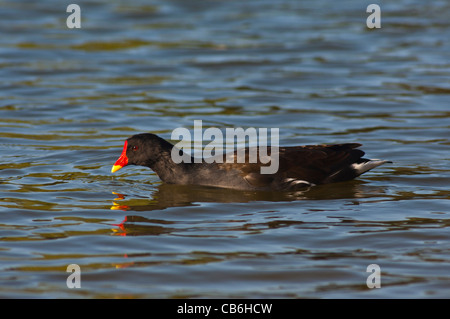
pixel 319 164
pixel 309 164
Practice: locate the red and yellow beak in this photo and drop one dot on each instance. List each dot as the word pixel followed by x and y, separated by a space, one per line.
pixel 122 160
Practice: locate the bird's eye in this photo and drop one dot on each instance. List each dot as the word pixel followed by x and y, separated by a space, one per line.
pixel 134 148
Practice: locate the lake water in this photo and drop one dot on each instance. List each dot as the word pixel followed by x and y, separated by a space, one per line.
pixel 70 97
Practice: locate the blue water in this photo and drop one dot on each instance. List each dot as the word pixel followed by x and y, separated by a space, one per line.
pixel 70 97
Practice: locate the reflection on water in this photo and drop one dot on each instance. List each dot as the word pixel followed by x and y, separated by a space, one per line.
pixel 69 98
pixel 169 195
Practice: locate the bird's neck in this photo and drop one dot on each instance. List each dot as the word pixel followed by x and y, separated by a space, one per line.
pixel 171 168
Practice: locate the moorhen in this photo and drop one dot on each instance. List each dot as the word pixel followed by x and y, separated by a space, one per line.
pixel 298 166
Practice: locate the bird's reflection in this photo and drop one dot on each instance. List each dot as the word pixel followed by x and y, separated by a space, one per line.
pixel 167 196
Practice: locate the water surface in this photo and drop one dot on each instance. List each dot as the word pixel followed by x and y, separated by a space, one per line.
pixel 70 97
